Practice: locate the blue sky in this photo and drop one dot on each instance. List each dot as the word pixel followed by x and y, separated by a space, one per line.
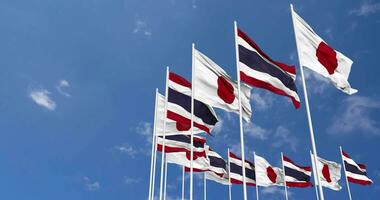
pixel 78 78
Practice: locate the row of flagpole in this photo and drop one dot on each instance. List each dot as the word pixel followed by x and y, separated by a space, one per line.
pixel 162 193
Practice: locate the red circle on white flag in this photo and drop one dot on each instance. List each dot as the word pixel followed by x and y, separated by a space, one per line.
pixel 327 57
pixel 225 90
pixel 271 174
pixel 326 173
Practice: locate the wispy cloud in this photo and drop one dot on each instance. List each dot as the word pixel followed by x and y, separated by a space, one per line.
pixel 262 100
pixel 42 98
pixel 283 137
pixel 275 191
pixel 126 149
pixel 145 129
pixel 130 180
pixel 256 131
pixel 91 185
pixel 355 115
pixel 141 27
pixel 366 8
pixel 62 85
pixel 316 83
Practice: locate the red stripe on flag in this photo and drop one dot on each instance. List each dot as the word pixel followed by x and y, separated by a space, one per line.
pixel 357 181
pixel 290 161
pixel 179 80
pixel 237 182
pixel 265 85
pixel 299 184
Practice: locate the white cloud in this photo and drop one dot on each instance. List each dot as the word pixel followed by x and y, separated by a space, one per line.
pixel 283 137
pixel 141 27
pixel 127 149
pixel 356 116
pixel 279 191
pixel 218 127
pixel 62 84
pixel 194 4
pixel 366 8
pixel 256 131
pixel 145 129
pixel 329 33
pixel 130 180
pixel 41 97
pixel 91 185
pixel 262 100
pixel 316 83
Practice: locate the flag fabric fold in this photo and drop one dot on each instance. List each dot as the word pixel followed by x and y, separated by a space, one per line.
pixel 259 70
pixel 266 174
pixel 356 173
pixel 182 143
pixel 295 175
pixel 315 54
pixel 329 173
pixel 179 108
pixel 217 89
pixel 236 170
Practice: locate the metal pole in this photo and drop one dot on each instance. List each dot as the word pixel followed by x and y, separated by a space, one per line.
pixel 152 173
pixel 166 177
pixel 314 175
pixel 192 122
pixel 183 183
pixel 257 186
pixel 204 186
pixel 345 173
pixel 314 148
pixel 283 170
pixel 229 175
pixel 163 137
pixel 240 113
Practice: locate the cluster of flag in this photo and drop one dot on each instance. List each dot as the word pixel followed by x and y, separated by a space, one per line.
pixel 187 109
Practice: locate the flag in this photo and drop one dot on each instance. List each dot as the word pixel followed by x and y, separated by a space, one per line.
pixel 179 107
pixel 315 54
pixel 267 175
pixel 217 167
pixel 356 173
pixel 259 70
pixel 329 173
pixel 182 143
pixel 216 88
pixel 236 170
pixel 183 159
pixel 295 175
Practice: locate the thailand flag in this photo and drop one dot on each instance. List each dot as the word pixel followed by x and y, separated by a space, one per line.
pixel 295 175
pixel 179 107
pixel 182 143
pixel 356 173
pixel 236 170
pixel 259 70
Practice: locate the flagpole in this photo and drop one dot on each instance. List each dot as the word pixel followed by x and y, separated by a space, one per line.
pixel 154 166
pixel 345 173
pixel 314 148
pixel 183 183
pixel 240 114
pixel 204 186
pixel 166 176
pixel 163 134
pixel 257 186
pixel 283 170
pixel 314 175
pixel 192 121
pixel 151 185
pixel 229 175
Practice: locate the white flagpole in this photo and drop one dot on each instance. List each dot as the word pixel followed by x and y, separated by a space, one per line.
pixel 166 177
pixel 163 134
pixel 183 183
pixel 192 121
pixel 154 166
pixel 283 170
pixel 204 186
pixel 314 148
pixel 229 175
pixel 240 113
pixel 345 173
pixel 313 166
pixel 257 186
pixel 152 159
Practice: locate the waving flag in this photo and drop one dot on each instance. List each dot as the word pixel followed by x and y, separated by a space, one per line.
pixel 216 88
pixel 182 143
pixel 183 159
pixel 295 175
pixel 317 55
pixel 236 170
pixel 329 173
pixel 259 70
pixel 356 173
pixel 266 175
pixel 179 107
